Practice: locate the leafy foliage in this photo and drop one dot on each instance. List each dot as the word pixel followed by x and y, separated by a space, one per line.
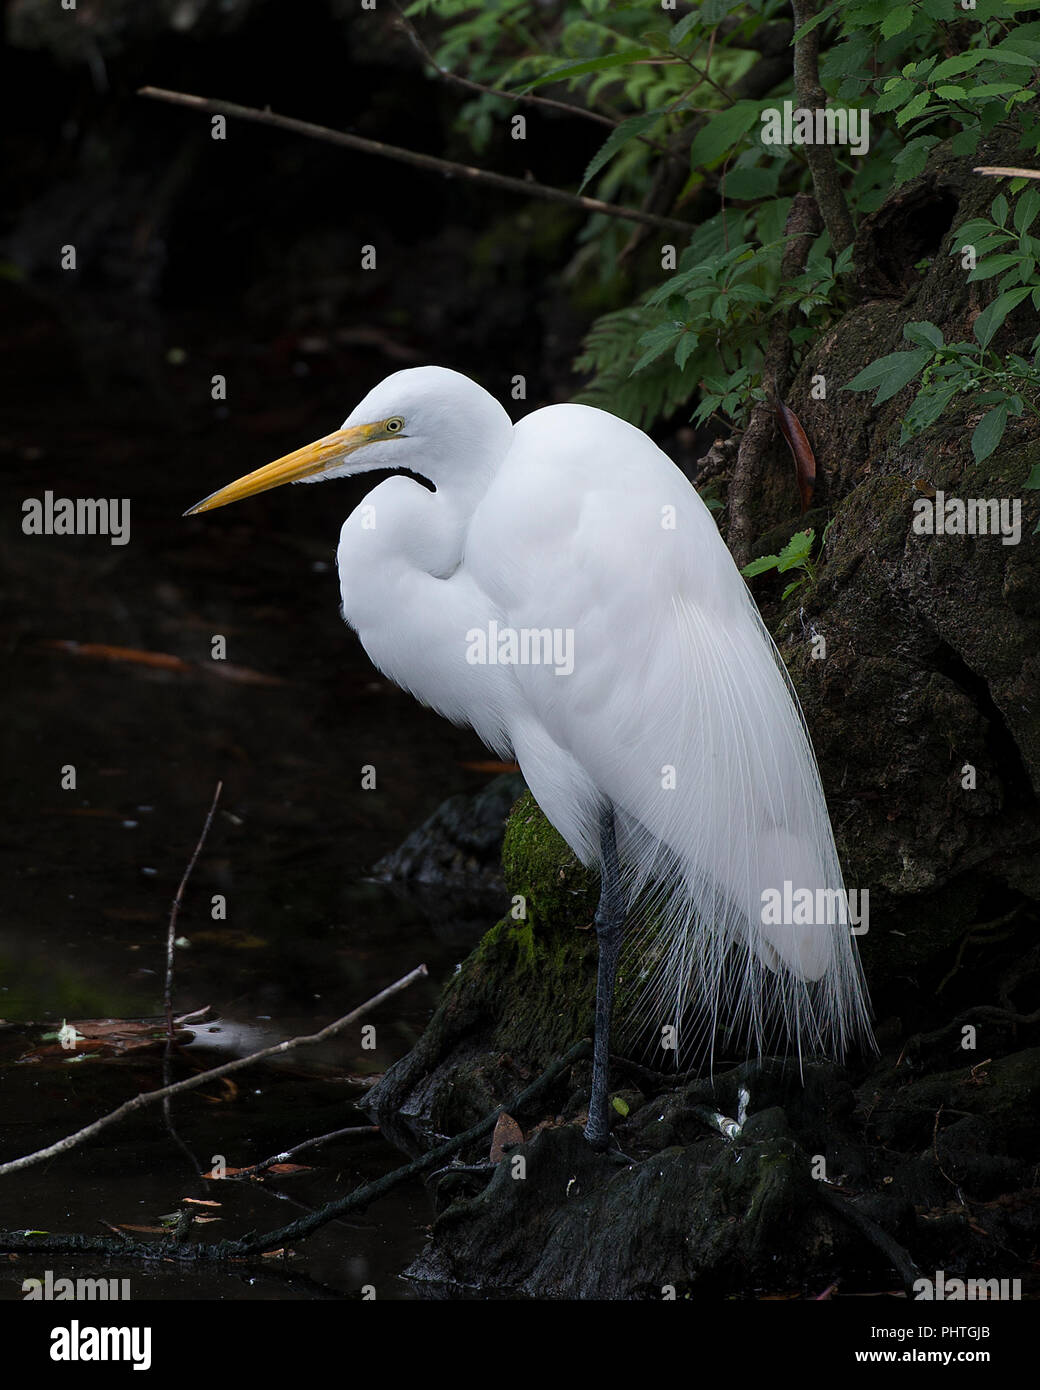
pixel 1008 387
pixel 680 95
pixel 796 555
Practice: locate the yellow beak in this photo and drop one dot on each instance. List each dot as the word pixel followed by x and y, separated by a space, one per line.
pixel 302 463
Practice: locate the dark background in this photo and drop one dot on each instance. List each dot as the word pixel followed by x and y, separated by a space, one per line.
pixel 239 257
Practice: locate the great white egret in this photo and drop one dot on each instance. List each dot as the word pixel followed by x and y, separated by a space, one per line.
pixel 564 590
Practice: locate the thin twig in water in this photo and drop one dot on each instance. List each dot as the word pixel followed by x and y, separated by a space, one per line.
pixel 529 187
pixel 286 1154
pixel 171 931
pixel 171 938
pixel 191 1083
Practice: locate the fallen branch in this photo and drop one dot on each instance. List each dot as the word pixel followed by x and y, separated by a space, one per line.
pixel 18 1242
pixel 257 1168
pixel 361 1196
pixel 877 1235
pixel 191 1083
pixel 429 162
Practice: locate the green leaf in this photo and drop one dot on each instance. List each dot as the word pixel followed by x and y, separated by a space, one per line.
pixel 993 89
pixel 923 332
pixel 811 24
pixel 1003 54
pixel 759 566
pixel 847 57
pixel 619 136
pixel 928 405
pixel 998 209
pixel 680 30
pixel 987 323
pixel 913 108
pixel 1027 205
pixel 656 342
pixel 890 373
pixel 912 158
pixel 1032 483
pixel 797 584
pixel 686 345
pixel 961 62
pixel 569 70
pixel 897 20
pixel 722 132
pixel 791 562
pixel 966 141
pixel 989 432
pixel 796 551
pixel 619 1104
pixel 752 183
pixel 896 91
pixel 993 265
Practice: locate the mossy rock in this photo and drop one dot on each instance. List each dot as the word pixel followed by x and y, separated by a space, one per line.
pixel 522 997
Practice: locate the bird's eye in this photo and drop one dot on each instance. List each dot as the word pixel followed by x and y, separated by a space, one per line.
pixel 395 425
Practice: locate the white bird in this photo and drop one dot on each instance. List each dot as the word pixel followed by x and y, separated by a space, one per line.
pixel 564 591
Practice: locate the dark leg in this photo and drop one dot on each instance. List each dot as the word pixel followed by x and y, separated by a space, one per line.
pixel 610 928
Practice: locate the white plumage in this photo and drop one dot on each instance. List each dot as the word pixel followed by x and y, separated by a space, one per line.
pixel 673 706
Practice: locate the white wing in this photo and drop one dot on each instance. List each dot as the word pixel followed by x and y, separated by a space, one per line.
pixel 679 710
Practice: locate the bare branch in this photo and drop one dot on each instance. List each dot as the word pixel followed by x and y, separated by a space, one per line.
pixel 1000 170
pixel 471 86
pixel 529 97
pixel 257 1168
pixel 192 1083
pixel 529 187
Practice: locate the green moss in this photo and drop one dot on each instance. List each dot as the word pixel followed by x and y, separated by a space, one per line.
pixel 559 892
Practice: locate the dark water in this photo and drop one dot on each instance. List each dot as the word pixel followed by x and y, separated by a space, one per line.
pixel 90 872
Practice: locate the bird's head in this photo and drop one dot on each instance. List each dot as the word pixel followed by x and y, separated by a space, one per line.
pixel 421 419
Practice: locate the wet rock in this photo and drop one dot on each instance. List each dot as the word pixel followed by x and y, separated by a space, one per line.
pixel 455 857
pixel 578 1226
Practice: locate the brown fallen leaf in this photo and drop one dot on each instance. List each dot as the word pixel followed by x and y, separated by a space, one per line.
pixel 804 459
pixel 162 661
pixel 201 1202
pixel 105 1037
pixel 102 651
pixel 240 675
pixel 507 1133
